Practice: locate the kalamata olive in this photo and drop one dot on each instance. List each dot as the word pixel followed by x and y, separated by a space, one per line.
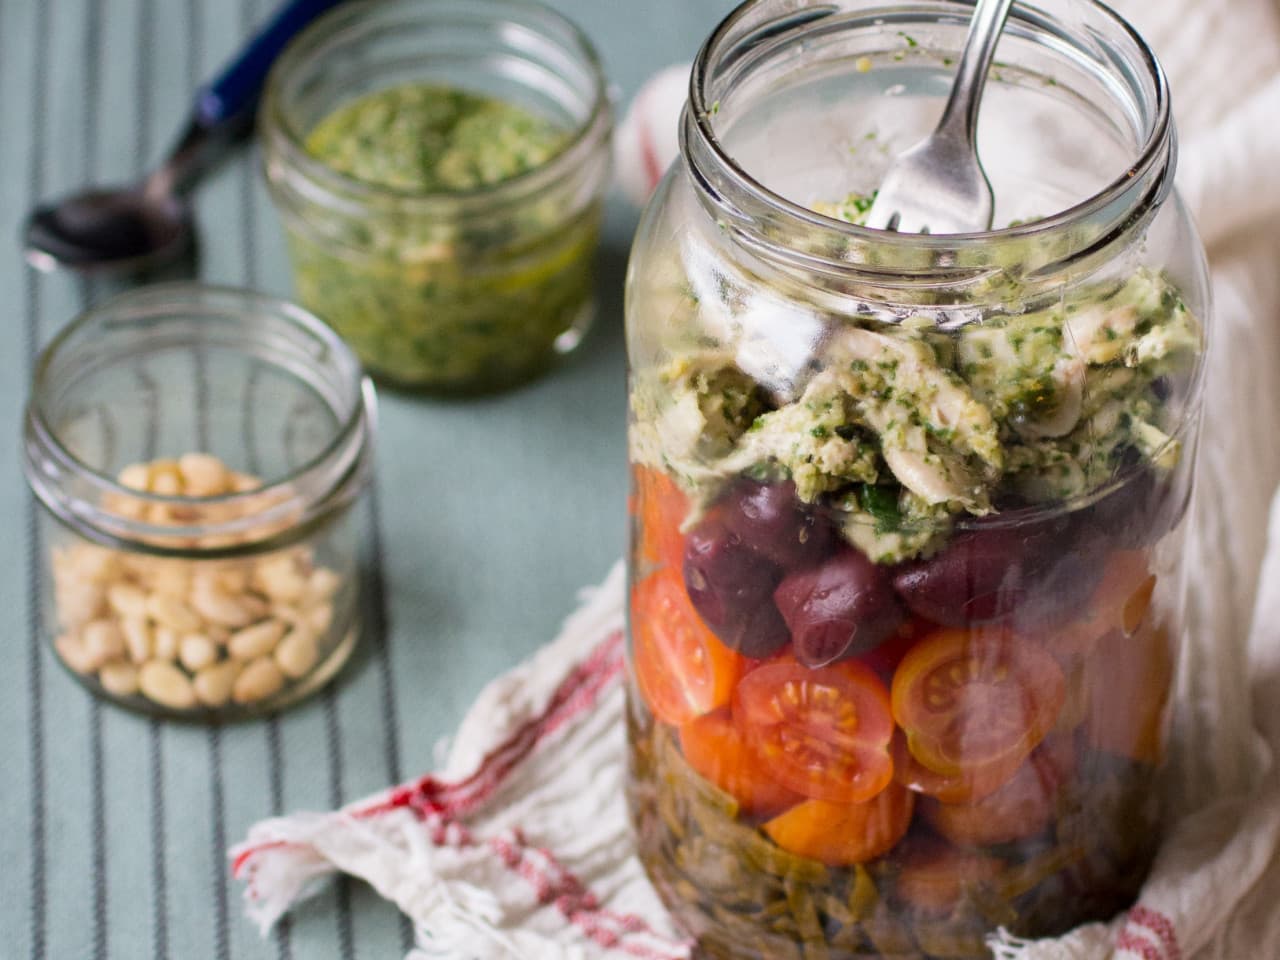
pixel 731 587
pixel 771 521
pixel 983 574
pixel 1146 506
pixel 1056 594
pixel 843 607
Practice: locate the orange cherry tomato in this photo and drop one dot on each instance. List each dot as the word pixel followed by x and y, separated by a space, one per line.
pixel 1119 603
pixel 823 733
pixel 840 834
pixel 1131 681
pixel 1021 808
pixel 964 787
pixel 970 699
pixel 714 747
pixel 681 667
pixel 934 876
pixel 659 507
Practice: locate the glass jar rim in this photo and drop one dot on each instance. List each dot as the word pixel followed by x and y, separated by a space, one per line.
pixel 328 480
pixel 1155 160
pixel 585 138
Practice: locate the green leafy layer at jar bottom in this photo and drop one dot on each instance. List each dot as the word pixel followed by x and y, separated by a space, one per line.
pixel 741 896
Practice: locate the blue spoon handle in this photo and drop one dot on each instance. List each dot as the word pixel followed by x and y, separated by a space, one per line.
pixel 232 96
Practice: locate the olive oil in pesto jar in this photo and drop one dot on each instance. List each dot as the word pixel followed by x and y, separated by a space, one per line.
pixel 446 226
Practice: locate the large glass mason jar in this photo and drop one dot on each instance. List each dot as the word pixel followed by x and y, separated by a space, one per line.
pixel 907 509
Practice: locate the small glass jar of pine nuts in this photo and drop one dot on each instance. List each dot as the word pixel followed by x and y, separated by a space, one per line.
pixel 198 452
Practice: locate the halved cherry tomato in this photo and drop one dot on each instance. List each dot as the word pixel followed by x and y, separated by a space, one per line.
pixel 681 667
pixel 934 876
pixel 970 699
pixel 840 834
pixel 1131 681
pixel 659 508
pixel 1021 808
pixel 1120 603
pixel 714 747
pixel 824 733
pixel 964 787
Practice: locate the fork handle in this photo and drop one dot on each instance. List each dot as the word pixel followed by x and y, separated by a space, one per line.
pixel 960 116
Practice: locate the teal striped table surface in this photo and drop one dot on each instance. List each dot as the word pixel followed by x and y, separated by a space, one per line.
pixel 486 518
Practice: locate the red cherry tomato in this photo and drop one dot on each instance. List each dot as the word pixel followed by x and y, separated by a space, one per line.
pixel 714 747
pixel 885 658
pixel 823 733
pixel 840 834
pixel 681 667
pixel 1021 808
pixel 658 508
pixel 971 699
pixel 963 787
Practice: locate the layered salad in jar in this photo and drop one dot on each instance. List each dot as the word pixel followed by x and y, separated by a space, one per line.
pixel 901 651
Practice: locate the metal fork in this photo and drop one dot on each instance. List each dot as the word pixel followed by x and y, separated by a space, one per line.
pixel 939 186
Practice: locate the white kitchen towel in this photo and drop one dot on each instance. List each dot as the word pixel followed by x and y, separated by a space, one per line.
pixel 519 847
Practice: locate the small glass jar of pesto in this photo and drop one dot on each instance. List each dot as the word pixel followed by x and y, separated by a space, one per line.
pixel 439 167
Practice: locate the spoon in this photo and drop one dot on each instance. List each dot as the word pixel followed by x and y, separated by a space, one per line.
pixel 939 186
pixel 133 228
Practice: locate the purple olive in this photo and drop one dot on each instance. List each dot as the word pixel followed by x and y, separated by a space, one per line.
pixel 731 587
pixel 984 573
pixel 1138 512
pixel 1058 592
pixel 842 608
pixel 770 520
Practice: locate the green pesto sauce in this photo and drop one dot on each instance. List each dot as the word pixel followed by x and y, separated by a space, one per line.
pixel 418 138
pixel 445 301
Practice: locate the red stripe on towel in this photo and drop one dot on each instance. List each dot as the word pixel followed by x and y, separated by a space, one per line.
pixel 575 695
pixel 1139 945
pixel 1160 925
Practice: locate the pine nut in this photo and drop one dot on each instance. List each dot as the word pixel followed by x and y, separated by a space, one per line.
pixel 137 637
pixel 197 651
pixel 136 476
pixel 297 653
pixel 320 617
pixel 127 600
pixel 216 606
pixel 255 641
pixel 166 644
pixel 78 603
pixel 166 685
pixel 279 579
pixel 203 475
pixel 213 683
pixel 119 679
pixel 322 584
pixel 173 613
pixel 73 654
pixel 259 680
pixel 166 479
pixel 94 563
pixel 102 641
pixel 231 580
pixel 172 578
